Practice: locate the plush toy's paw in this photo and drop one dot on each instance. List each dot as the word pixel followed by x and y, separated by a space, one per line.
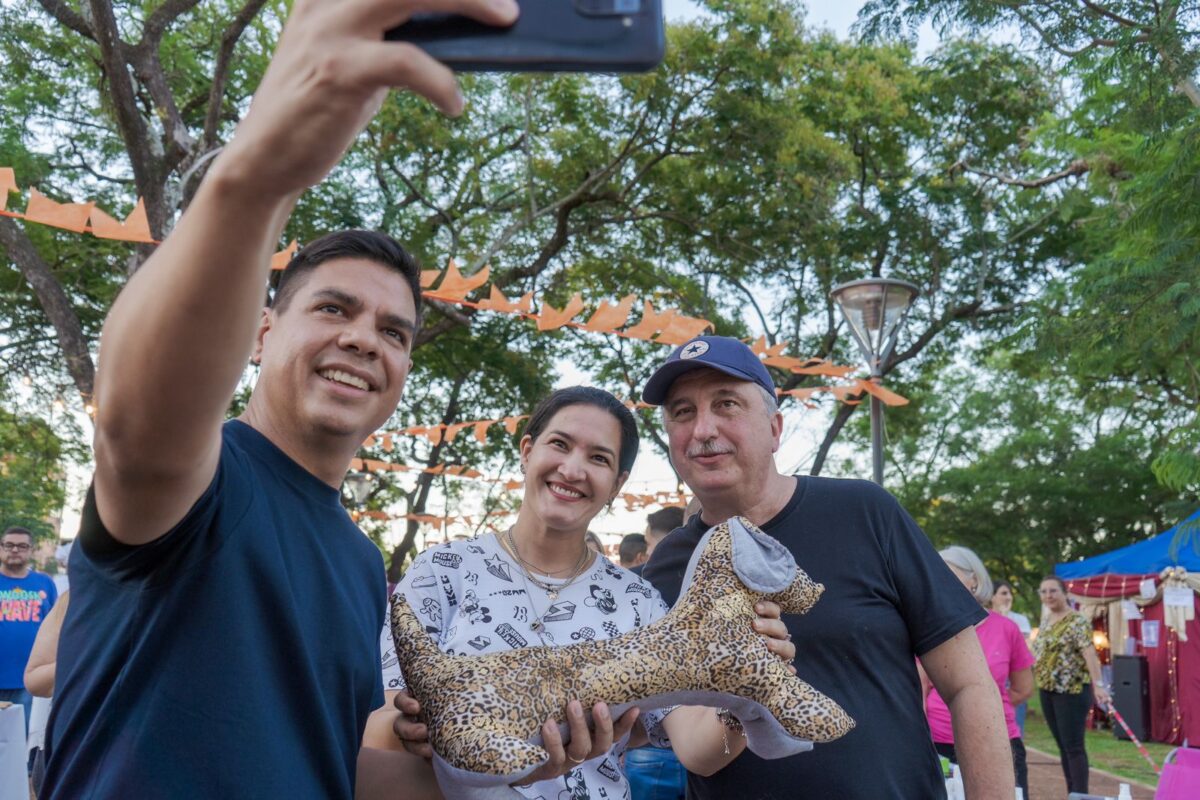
pixel 809 714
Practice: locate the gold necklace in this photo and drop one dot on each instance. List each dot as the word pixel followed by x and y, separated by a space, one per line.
pixel 552 590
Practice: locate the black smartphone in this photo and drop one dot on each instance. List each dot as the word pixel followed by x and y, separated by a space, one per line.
pixel 548 36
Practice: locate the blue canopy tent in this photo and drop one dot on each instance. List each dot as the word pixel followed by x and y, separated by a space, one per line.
pixel 1151 556
pixel 1173 660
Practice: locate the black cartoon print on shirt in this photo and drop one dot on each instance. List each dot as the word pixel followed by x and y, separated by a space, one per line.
pixel 602 599
pixel 472 608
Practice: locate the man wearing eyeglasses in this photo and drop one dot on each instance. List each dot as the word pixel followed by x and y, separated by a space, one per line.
pixel 26 597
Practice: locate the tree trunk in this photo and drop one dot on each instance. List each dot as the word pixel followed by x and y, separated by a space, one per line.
pixel 56 304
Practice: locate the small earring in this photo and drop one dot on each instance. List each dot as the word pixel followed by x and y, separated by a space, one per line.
pixel 522 469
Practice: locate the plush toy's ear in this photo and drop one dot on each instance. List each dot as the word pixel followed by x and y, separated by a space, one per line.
pixel 761 562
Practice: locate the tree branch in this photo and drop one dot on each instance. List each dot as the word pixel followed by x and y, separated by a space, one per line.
pixel 161 18
pixel 67 17
pixel 229 39
pixel 54 301
pixel 1074 169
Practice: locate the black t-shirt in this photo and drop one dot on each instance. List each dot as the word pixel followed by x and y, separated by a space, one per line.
pixel 235 657
pixel 888 598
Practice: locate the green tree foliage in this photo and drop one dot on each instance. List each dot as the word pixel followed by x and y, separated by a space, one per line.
pixel 1124 323
pixel 32 476
pixel 761 165
pixel 1014 469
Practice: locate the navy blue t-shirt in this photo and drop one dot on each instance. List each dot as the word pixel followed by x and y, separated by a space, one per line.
pixel 888 598
pixel 235 657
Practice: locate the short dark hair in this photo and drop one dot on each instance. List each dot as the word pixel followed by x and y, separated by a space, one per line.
pixel 632 546
pixel 588 396
pixel 17 529
pixel 369 245
pixel 665 519
pixel 998 584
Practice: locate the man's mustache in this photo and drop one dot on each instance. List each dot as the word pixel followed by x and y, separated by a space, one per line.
pixel 708 449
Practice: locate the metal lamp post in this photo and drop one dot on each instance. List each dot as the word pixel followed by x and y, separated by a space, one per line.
pixel 874 309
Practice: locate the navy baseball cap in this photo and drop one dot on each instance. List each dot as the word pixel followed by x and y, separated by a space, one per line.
pixel 721 353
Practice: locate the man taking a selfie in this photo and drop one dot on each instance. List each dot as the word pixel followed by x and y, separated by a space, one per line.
pixel 222 635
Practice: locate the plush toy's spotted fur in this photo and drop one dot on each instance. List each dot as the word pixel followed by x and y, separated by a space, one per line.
pixel 484 712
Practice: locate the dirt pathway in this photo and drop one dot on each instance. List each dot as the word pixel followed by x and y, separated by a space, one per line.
pixel 1046 780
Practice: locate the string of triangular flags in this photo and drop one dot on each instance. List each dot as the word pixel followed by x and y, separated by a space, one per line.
pixel 665 326
pixel 431 519
pixel 633 502
pixel 77 217
pixel 851 393
pixel 375 466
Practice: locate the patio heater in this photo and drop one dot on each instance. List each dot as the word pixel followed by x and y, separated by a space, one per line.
pixel 874 309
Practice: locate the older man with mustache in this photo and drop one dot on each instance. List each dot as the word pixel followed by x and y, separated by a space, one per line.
pixel 889 599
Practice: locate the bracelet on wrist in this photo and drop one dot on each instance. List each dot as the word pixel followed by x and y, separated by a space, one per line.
pixel 729 723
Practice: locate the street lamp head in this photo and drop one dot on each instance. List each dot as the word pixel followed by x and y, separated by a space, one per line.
pixel 358 485
pixel 874 309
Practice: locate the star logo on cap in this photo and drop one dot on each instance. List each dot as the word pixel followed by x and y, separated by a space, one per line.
pixel 694 350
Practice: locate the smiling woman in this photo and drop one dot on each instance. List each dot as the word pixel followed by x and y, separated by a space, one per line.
pixel 538 583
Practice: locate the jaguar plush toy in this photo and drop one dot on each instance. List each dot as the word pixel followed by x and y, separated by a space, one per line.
pixel 484 713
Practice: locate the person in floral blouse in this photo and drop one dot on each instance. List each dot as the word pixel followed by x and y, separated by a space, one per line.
pixel 1067 674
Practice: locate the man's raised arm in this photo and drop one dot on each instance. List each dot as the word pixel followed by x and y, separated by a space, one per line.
pixel 179 335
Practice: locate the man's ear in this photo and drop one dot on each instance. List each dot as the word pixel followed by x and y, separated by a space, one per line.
pixel 264 325
pixel 776 431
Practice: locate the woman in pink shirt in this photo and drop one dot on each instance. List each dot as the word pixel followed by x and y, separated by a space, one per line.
pixel 1008 659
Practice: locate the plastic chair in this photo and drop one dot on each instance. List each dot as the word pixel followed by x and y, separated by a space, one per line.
pixel 1180 776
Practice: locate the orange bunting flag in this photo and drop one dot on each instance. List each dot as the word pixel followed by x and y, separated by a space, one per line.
pixel 498 302
pixel 455 429
pixel 551 318
pixel 435 434
pixel 429 277
pixel 803 394
pixel 784 362
pixel 844 393
pixel 388 443
pixel 819 366
pixel 8 183
pixel 69 216
pixel 609 317
pixel 455 287
pixel 681 329
pixel 510 424
pixel 280 260
pixel 652 322
pixel 135 228
pixel 463 471
pixel 759 348
pixel 481 429
pixel 887 396
pixel 512 486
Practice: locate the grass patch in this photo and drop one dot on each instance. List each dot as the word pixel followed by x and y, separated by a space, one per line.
pixel 1105 751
